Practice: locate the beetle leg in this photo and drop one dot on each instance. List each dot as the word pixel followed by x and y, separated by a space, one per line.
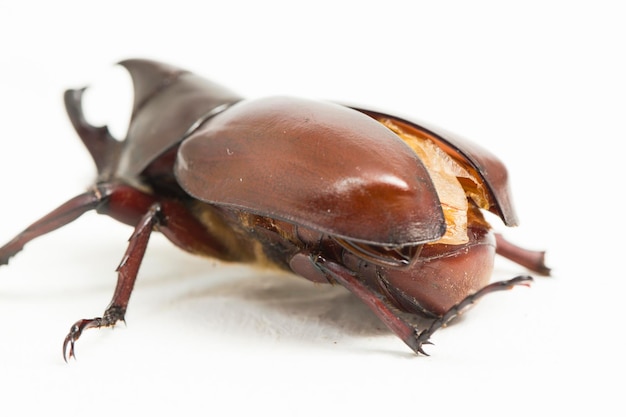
pixel 458 309
pixel 127 274
pixel 64 214
pixel 390 315
pixel 395 319
pixel 533 260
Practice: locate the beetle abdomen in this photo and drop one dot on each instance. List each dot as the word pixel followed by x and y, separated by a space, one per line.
pixel 443 275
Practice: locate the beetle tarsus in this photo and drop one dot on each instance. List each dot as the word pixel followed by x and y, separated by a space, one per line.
pixel 458 309
pixel 110 318
pixel 420 350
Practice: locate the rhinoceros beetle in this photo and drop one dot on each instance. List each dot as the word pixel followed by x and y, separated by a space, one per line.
pixel 384 206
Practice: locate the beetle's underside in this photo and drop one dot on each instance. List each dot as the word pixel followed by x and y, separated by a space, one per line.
pixel 330 193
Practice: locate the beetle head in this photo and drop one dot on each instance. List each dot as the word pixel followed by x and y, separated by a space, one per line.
pixel 168 101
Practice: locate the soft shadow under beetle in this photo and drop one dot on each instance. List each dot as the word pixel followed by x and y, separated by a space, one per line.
pixel 386 207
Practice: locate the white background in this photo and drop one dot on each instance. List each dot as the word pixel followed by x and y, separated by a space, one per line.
pixel 541 84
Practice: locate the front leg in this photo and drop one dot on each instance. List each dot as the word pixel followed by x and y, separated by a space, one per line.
pixel 127 275
pixel 59 217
